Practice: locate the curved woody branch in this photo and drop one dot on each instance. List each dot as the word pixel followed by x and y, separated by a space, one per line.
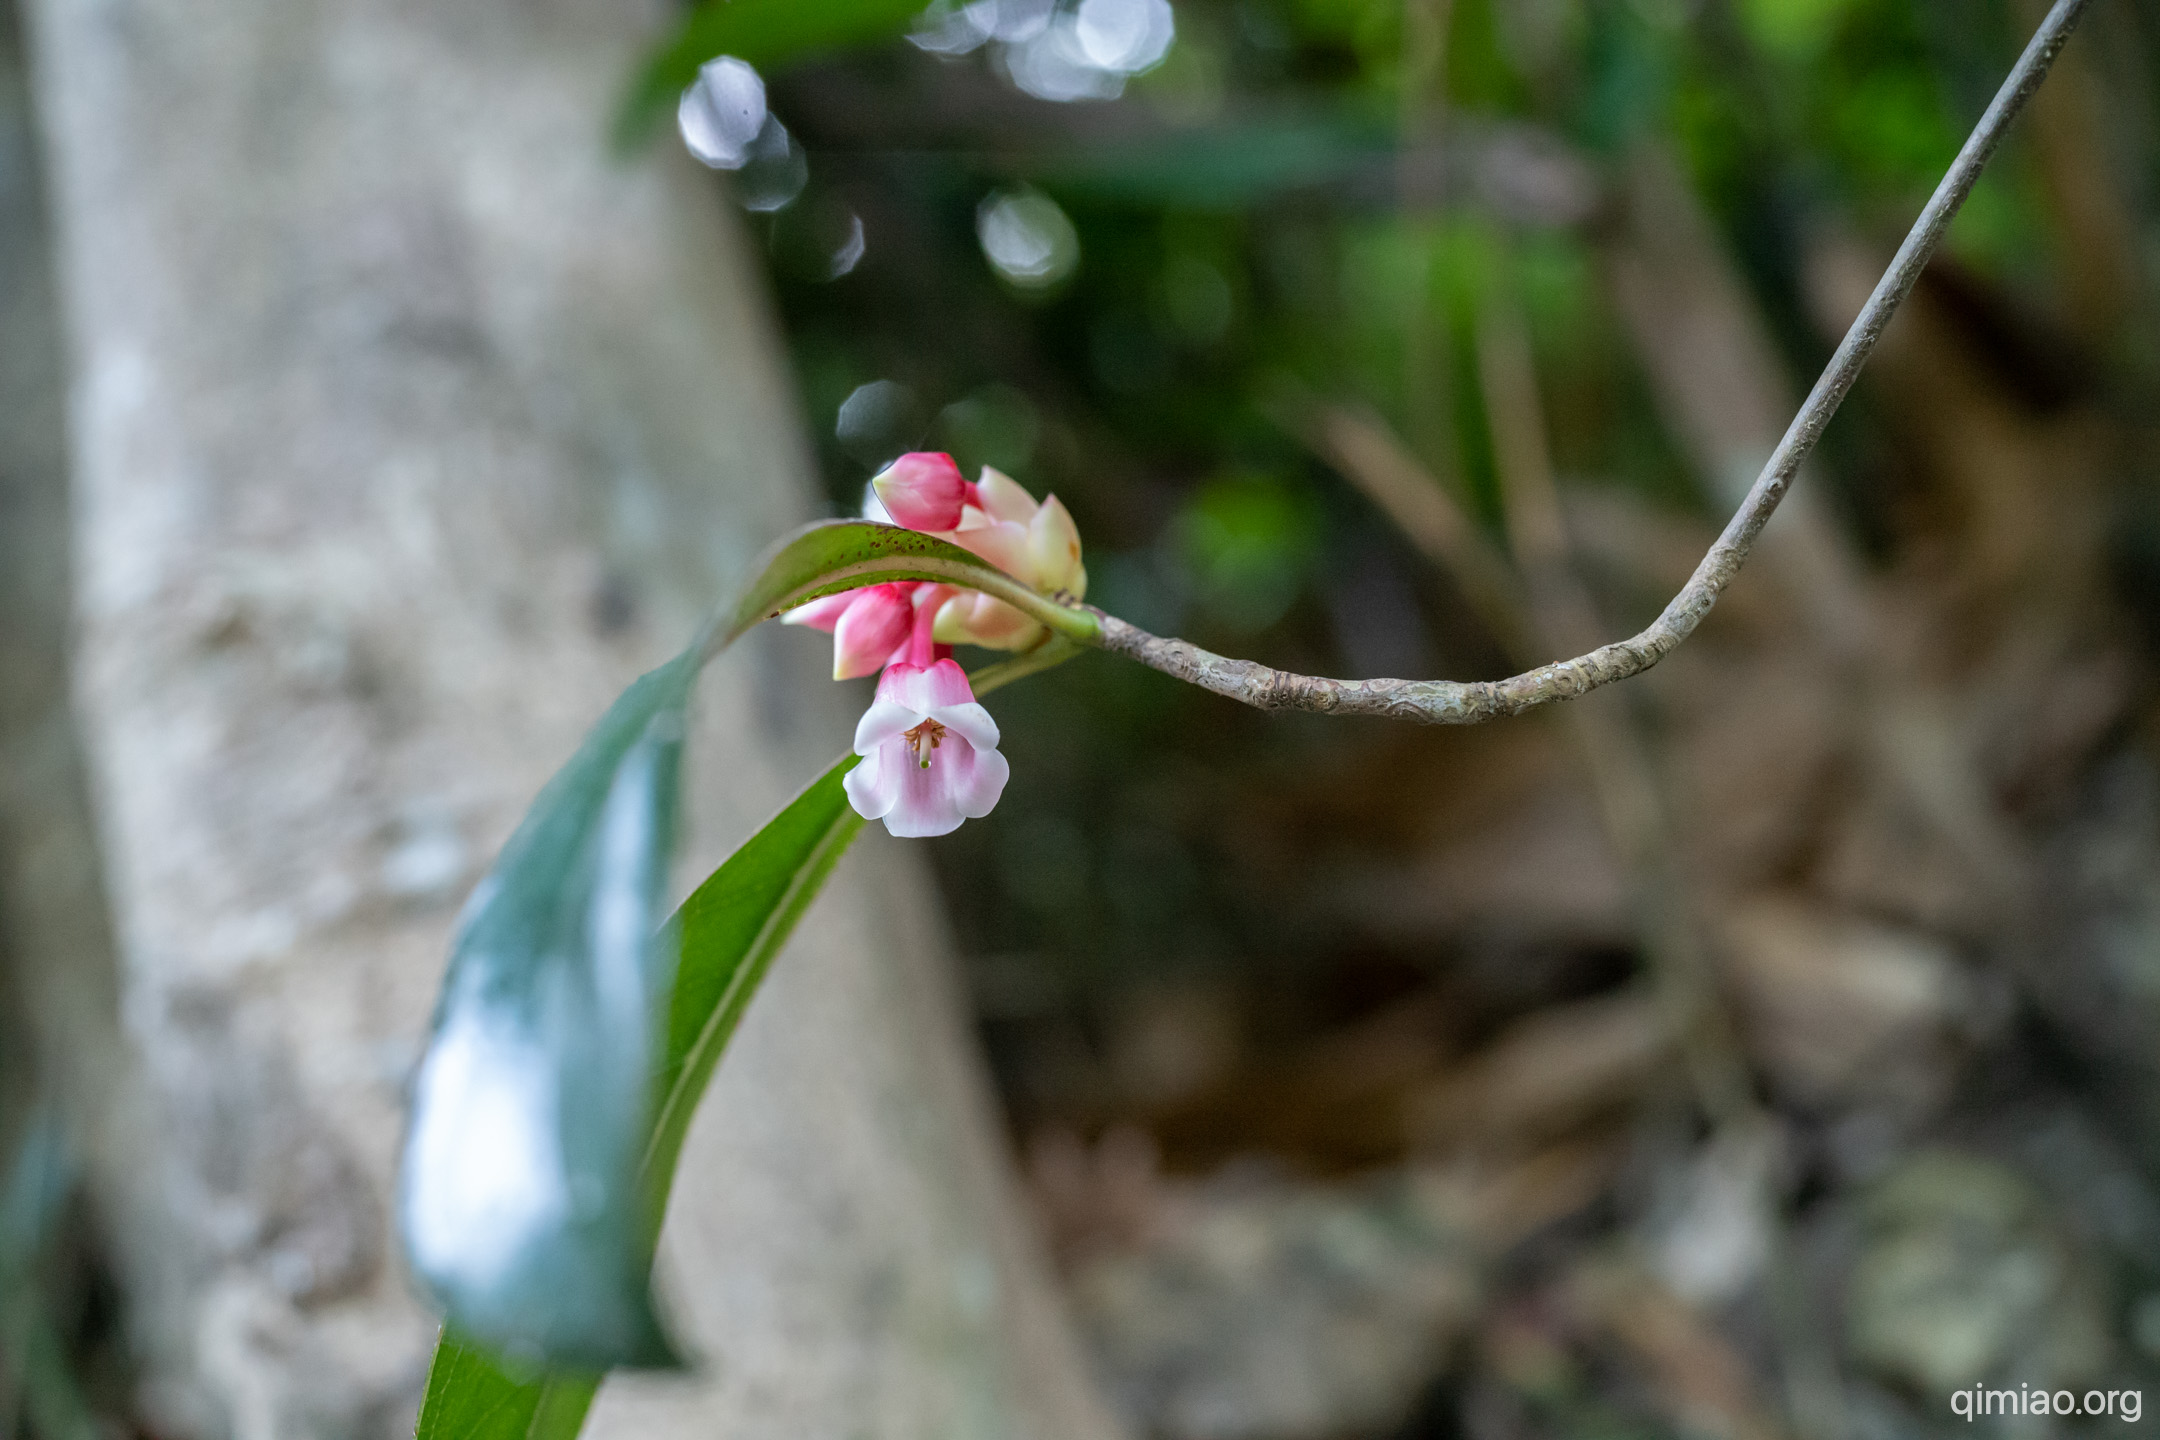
pixel 1449 702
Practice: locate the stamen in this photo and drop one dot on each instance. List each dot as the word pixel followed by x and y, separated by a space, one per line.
pixel 923 739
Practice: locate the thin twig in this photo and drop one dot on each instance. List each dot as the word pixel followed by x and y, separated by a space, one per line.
pixel 1449 702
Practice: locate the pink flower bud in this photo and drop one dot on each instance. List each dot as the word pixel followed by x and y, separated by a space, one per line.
pixel 922 491
pixel 822 614
pixel 871 629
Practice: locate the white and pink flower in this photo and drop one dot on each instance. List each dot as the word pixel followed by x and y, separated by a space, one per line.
pixel 929 751
pixel 930 757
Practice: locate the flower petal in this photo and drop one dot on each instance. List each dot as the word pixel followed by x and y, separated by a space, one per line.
pixel 1053 546
pixel 924 688
pixel 970 722
pixel 823 613
pixel 923 490
pixel 973 618
pixel 1002 498
pixel 869 630
pixel 1003 543
pixel 882 721
pixel 873 787
pixel 925 805
pixel 975 780
pixel 1000 627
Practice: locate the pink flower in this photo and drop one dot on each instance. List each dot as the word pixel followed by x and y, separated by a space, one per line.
pixel 929 753
pixel 923 491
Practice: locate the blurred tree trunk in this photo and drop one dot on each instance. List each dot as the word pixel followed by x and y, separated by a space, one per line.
pixel 59 1041
pixel 407 427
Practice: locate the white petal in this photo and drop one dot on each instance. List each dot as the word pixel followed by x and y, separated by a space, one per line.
pixel 976 787
pixel 925 805
pixel 881 722
pixel 970 722
pixel 873 787
pixel 1004 498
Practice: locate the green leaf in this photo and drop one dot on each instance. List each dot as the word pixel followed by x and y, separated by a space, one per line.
pixel 727 934
pixel 836 555
pixel 1225 167
pixel 520 1194
pixel 731 927
pixel 469 1397
pixel 767 33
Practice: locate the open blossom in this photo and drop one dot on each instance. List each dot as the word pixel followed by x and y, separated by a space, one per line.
pixel 929 751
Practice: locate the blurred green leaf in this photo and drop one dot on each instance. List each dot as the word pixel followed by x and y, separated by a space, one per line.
pixel 1224 167
pixel 1250 542
pixel 520 1194
pixel 727 934
pixel 35 1379
pixel 766 33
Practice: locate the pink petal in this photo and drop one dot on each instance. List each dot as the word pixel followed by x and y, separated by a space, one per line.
pixel 873 787
pixel 822 614
pixel 923 491
pixel 869 630
pixel 924 688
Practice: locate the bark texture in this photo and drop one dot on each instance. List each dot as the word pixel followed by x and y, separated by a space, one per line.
pixel 406 427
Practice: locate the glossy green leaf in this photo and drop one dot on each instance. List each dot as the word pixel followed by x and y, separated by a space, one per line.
pixel 726 934
pixel 767 33
pixel 836 555
pixel 520 1194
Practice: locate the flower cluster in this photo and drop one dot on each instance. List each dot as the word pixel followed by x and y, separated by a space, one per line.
pixel 929 751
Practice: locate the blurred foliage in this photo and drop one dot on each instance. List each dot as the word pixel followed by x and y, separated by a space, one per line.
pixel 1240 231
pixel 1308 204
